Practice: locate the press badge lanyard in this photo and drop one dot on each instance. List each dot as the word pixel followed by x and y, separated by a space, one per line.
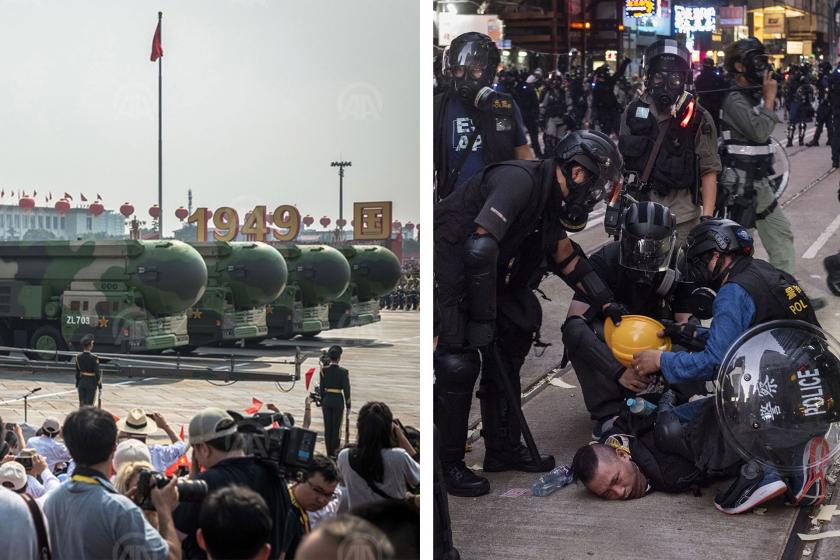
pixel 83 479
pixel 304 517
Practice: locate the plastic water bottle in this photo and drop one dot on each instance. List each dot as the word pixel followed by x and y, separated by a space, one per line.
pixel 640 406
pixel 559 477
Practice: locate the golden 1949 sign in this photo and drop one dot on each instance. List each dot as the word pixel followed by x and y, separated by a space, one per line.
pixel 371 222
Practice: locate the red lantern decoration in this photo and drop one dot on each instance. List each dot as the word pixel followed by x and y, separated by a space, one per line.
pixel 181 213
pixel 341 222
pixel 26 204
pixel 154 211
pixel 308 220
pixel 126 209
pixel 325 221
pixel 62 205
pixel 409 226
pixel 96 208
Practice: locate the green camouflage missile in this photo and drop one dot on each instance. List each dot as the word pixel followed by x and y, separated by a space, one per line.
pixel 318 274
pixel 374 271
pixel 131 295
pixel 243 277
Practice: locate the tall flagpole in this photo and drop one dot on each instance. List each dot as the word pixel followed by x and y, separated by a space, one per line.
pixel 160 132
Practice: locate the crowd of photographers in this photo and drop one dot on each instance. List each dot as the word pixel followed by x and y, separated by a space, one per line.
pixel 241 486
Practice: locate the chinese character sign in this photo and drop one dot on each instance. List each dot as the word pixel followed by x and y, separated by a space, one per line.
pixel 372 221
pixel 640 8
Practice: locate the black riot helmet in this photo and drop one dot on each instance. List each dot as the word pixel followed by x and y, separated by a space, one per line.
pixel 647 237
pixel 834 82
pixel 667 70
pixel 470 62
pixel 599 156
pixel 749 52
pixel 723 236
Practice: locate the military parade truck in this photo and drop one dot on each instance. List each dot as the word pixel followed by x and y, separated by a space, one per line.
pixel 131 295
pixel 318 274
pixel 374 271
pixel 242 278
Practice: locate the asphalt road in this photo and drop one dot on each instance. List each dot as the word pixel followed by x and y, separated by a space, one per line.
pixel 510 523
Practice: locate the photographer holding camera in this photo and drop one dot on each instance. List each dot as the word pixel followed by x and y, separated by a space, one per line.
pixel 220 449
pixel 88 518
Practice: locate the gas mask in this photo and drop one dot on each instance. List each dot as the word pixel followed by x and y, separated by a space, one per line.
pixel 755 64
pixel 470 63
pixel 476 95
pixel 581 199
pixel 661 283
pixel 665 87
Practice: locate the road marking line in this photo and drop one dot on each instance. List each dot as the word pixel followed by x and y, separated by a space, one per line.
pixel 824 236
pixel 60 393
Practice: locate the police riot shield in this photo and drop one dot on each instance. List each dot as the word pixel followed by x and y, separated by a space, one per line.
pixel 780 172
pixel 778 397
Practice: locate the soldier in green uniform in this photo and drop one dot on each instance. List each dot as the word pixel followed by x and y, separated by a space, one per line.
pixel 335 395
pixel 88 377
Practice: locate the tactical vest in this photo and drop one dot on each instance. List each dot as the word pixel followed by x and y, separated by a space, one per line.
pixel 676 166
pixel 753 157
pixel 775 293
pixel 496 126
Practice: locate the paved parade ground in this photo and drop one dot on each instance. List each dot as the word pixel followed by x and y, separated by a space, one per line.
pixel 572 524
pixel 383 359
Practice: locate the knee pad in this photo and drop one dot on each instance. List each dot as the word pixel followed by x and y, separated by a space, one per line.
pixel 669 435
pixel 457 371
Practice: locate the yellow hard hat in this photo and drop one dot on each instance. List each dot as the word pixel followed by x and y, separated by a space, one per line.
pixel 634 334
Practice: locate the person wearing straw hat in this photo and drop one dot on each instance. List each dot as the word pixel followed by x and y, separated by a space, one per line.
pixel 88 376
pixel 139 425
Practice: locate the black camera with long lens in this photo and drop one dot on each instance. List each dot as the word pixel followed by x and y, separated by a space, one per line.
pixel 275 441
pixel 188 490
pixel 315 395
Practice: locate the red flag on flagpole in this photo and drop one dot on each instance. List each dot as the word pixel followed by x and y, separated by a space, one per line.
pixel 256 408
pixel 84 198
pixel 157 48
pixel 308 376
pixel 67 196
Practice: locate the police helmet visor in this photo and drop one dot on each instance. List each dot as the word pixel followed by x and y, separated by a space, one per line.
pixel 644 254
pixel 671 80
pixel 778 399
pixel 466 60
pixel 756 62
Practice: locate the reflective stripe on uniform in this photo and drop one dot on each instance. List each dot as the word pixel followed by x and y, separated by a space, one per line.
pixel 737 150
pixel 339 391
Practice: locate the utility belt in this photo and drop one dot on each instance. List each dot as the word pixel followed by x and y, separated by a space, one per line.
pixel 87 374
pixel 739 196
pixel 337 391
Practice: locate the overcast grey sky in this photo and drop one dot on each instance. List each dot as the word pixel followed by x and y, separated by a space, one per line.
pixel 259 96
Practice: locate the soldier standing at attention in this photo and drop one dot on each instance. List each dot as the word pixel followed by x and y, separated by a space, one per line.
pixel 88 377
pixel 335 395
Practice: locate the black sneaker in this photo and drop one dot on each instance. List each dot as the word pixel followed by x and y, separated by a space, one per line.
pixel 461 481
pixel 753 486
pixel 517 459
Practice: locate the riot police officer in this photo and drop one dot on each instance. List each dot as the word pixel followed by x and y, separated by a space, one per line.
pixel 824 107
pixel 88 376
pixel 747 122
pixel 641 270
pixel 834 102
pixel 719 255
pixel 605 105
pixel 335 397
pixel 683 172
pixel 492 238
pixel 708 85
pixel 473 124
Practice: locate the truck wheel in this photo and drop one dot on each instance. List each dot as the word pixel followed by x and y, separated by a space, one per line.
pixel 49 339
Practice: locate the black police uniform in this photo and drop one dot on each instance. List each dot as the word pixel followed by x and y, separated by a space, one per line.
pixel 496 126
pixel 834 102
pixel 775 293
pixel 517 202
pixel 526 97
pixel 335 397
pixel 596 368
pixel 823 110
pixel 676 166
pixel 710 80
pixel 88 377
pixel 604 102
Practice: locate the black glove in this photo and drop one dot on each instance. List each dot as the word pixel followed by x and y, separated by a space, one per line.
pixel 684 335
pixel 614 311
pixel 480 333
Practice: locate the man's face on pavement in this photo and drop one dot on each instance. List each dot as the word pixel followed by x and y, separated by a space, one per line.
pixel 617 478
pixel 315 493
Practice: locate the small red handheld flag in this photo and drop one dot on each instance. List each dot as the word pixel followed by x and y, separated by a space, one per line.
pixel 256 408
pixel 181 435
pixel 308 377
pixel 157 48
